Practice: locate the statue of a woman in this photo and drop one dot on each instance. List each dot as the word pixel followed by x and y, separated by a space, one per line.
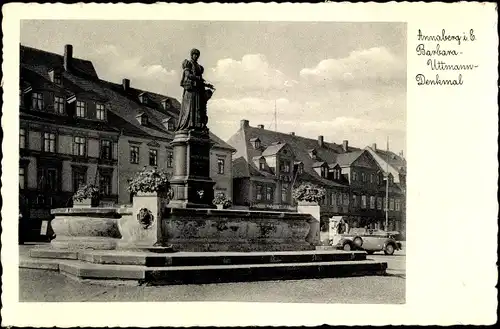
pixel 193 113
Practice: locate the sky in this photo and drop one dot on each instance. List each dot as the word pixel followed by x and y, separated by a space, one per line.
pixel 344 81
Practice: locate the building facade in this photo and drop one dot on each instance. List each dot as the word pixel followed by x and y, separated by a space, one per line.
pixel 267 166
pixel 76 128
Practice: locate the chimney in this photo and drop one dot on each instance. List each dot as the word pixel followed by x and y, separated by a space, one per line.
pixel 126 84
pixel 374 146
pixel 345 145
pixel 260 126
pixel 292 133
pixel 68 57
pixel 244 124
pixel 321 141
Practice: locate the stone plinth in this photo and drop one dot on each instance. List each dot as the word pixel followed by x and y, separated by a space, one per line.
pixel 191 183
pixel 143 229
pixel 236 230
pixel 313 209
pixel 86 228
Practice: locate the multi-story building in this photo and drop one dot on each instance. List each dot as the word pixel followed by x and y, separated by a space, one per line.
pixel 267 165
pixel 76 128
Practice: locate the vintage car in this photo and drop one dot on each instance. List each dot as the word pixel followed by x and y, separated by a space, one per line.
pixel 369 240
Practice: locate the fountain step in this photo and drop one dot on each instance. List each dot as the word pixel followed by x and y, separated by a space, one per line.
pixel 207 273
pixel 152 259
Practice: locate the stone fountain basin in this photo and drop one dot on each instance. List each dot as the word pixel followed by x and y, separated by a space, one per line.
pixel 184 229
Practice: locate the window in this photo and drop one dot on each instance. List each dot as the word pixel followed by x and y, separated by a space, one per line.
pixel 391 204
pixel 256 144
pixel 363 177
pixel 262 165
pixel 220 166
pixel 170 125
pixel 269 193
pixel 106 150
pixel 346 199
pixel 153 157
pixel 324 172
pixel 134 154
pixel 22 178
pixel 258 190
pixel 170 159
pixel 81 109
pixel 372 202
pixel 378 179
pixel 332 198
pixel 284 192
pixel 398 205
pixel 144 120
pixel 371 178
pixel 301 168
pixel 379 203
pixel 57 79
pixel 354 200
pixel 59 105
pixel 79 178
pixel 385 203
pixel 100 112
pixel 105 184
pixel 22 138
pixel 49 142
pixel 37 101
pixel 354 176
pixel 285 166
pixel 48 179
pixel 363 201
pixel 79 146
pixel 339 199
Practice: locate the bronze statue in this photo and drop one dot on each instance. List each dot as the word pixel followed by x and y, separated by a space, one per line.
pixel 193 112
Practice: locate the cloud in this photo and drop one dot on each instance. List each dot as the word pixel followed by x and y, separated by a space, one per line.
pixel 251 72
pixel 112 65
pixel 362 67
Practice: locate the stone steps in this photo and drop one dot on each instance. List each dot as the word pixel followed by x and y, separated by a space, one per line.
pixel 151 259
pixel 195 268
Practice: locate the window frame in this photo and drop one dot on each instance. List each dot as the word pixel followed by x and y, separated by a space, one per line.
pixel 100 109
pixel 59 107
pixel 24 175
pixel 38 101
pixel 102 148
pixel 170 159
pixel 284 192
pixel 136 159
pixel 221 169
pixel 52 142
pixel 109 186
pixel 363 201
pixel 269 193
pixel 258 192
pixel 78 142
pixel 78 108
pixel 23 138
pixel 76 172
pixel 154 153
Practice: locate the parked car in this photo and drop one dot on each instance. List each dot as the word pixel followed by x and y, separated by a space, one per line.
pixel 370 241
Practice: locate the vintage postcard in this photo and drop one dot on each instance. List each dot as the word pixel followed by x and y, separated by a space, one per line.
pixel 263 164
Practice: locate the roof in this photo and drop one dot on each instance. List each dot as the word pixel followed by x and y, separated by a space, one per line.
pixel 346 159
pixel 123 106
pixel 300 146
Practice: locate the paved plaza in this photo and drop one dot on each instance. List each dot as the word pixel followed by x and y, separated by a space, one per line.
pixel 47 286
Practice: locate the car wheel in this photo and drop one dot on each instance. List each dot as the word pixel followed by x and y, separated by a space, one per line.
pixel 347 247
pixel 358 242
pixel 389 249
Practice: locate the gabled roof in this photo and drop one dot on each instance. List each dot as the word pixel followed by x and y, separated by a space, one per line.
pixel 346 159
pixel 273 149
pixel 300 146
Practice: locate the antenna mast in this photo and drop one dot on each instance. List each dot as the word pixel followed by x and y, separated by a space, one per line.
pixel 275 120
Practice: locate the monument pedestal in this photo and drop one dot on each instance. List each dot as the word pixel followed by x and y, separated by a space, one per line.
pixel 191 184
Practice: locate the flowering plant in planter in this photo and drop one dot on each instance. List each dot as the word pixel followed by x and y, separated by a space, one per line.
pixel 150 181
pixel 88 191
pixel 309 193
pixel 221 200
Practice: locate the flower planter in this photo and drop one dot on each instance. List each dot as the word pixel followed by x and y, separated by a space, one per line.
pixel 307 203
pixel 86 203
pixel 220 206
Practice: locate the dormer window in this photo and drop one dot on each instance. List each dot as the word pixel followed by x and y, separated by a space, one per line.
pixel 37 101
pixel 285 166
pixel 262 165
pixel 323 172
pixel 143 119
pixel 255 142
pixel 56 77
pixel 168 123
pixel 144 99
pixel 59 104
pixel 100 111
pixel 166 104
pixel 313 154
pixel 300 168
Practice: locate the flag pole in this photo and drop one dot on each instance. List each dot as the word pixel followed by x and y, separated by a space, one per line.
pixel 387 189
